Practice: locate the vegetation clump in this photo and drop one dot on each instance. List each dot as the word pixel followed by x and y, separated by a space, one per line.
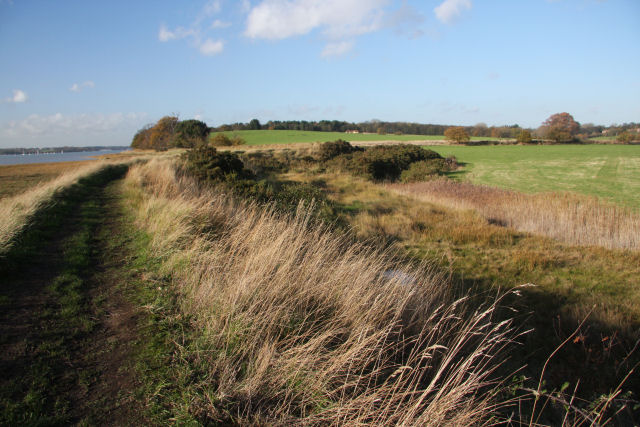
pixel 170 132
pixel 222 140
pixel 209 164
pixel 331 149
pixel 457 134
pixel 384 162
pixel 426 170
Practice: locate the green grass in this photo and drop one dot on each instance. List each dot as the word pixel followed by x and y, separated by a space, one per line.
pixel 262 137
pixel 608 171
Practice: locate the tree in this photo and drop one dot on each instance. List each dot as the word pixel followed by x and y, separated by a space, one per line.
pixel 162 133
pixel 524 137
pixel 456 134
pixel 190 133
pixel 254 125
pixel 561 127
pixel 141 140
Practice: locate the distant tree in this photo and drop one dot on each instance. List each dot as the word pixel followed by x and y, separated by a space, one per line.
pixel 624 137
pixel 254 125
pixel 480 129
pixel 380 130
pixel 456 134
pixel 162 133
pixel 190 133
pixel 524 137
pixel 561 127
pixel 142 138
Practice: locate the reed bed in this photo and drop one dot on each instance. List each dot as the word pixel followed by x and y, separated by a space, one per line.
pixel 304 326
pixel 570 218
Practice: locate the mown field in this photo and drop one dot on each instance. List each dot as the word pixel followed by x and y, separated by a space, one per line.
pixel 262 137
pixel 611 172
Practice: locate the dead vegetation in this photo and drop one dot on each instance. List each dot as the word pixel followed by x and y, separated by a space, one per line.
pixel 569 218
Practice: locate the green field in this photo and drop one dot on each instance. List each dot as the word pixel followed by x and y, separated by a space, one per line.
pixel 607 171
pixel 262 137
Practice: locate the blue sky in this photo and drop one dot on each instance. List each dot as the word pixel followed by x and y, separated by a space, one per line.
pixel 77 72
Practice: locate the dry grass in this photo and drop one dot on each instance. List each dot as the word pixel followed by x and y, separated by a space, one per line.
pixel 578 220
pixel 304 326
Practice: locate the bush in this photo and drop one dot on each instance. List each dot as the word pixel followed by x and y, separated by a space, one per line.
pixel 208 164
pixel 524 137
pixel 386 162
pixel 425 170
pixel 625 137
pixel 329 150
pixel 222 140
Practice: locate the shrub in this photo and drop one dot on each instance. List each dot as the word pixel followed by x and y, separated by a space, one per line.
pixel 425 170
pixel 386 162
pixel 222 140
pixel 524 137
pixel 208 164
pixel 624 137
pixel 332 149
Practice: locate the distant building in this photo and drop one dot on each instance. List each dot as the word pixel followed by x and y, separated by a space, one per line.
pixel 353 131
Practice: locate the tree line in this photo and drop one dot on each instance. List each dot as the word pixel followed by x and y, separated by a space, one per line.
pixel 170 132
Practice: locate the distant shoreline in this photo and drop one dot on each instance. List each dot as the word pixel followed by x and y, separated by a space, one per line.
pixel 58 150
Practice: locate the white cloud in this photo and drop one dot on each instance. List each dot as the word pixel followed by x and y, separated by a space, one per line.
pixel 18 97
pixel 197 32
pixel 449 10
pixel 165 35
pixel 219 24
pixel 77 87
pixel 61 124
pixel 337 49
pixel 280 19
pixel 210 47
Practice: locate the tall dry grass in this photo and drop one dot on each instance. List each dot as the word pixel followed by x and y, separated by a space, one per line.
pixel 303 326
pixel 570 218
pixel 16 211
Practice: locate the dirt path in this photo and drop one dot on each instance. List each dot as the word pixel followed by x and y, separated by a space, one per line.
pixel 67 328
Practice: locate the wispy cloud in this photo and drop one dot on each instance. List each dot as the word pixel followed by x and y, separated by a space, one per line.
pixel 211 47
pixel 337 49
pixel 450 10
pixel 219 24
pixel 197 31
pixel 18 97
pixel 61 124
pixel 78 87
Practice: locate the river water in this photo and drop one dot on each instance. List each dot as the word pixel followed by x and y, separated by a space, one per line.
pixel 19 159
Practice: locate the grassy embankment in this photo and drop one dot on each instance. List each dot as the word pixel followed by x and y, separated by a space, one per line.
pixel 299 324
pixel 267 137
